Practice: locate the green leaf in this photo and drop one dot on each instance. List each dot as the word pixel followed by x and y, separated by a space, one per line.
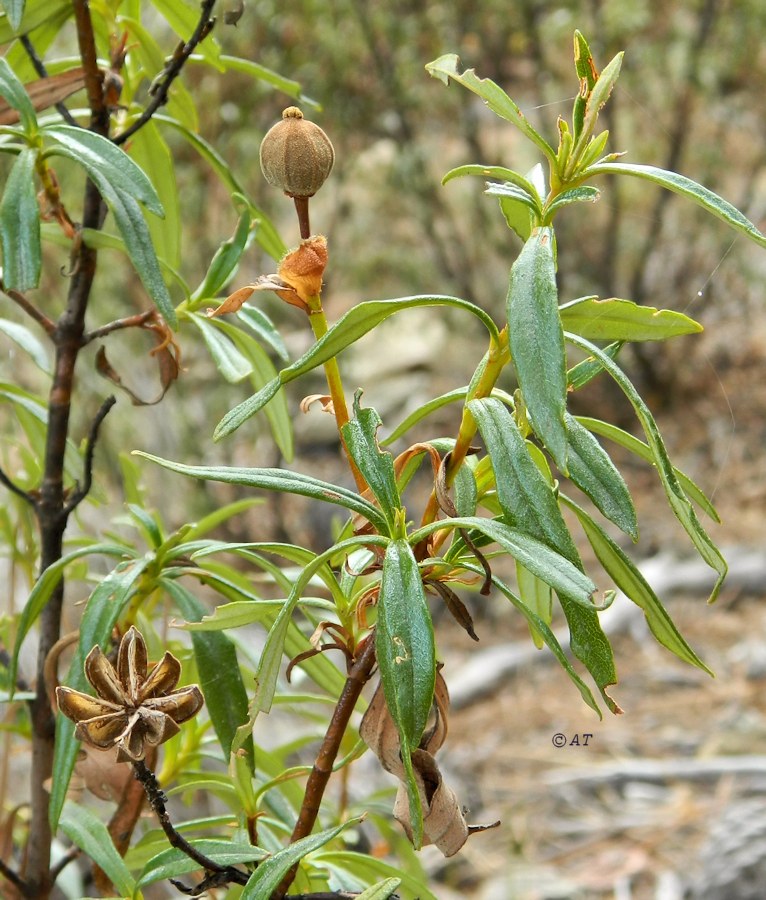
pixel 537 341
pixel 20 225
pixel 183 18
pixel 597 97
pixel 644 451
pixel 264 328
pixel 36 14
pixel 152 154
pixel 15 94
pixel 42 591
pixel 505 176
pixel 104 162
pixel 632 583
pixel 554 569
pixel 359 320
pixel 261 73
pixel 526 498
pixel 228 360
pixel 536 595
pixel 14 9
pixel 623 320
pixel 279 480
pixel 684 186
pixel 171 863
pixel 363 866
pixel 28 342
pixel 266 234
pixel 360 437
pixel 584 193
pixel 445 68
pixel 219 674
pixel 587 369
pixel 592 470
pixel 517 217
pixel 678 500
pixel 101 613
pixel 591 646
pixel 90 834
pixel 266 878
pixel 380 891
pixel 225 262
pixel 425 410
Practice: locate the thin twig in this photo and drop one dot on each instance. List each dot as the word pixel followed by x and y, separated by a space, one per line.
pixel 302 210
pixel 358 676
pixel 81 493
pixel 39 67
pixel 136 321
pixel 15 489
pixel 157 800
pixel 30 309
pixel 160 89
pixel 8 873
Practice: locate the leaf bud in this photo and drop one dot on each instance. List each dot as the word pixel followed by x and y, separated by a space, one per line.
pixel 296 155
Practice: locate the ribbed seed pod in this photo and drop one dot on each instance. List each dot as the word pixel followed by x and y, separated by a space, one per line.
pixel 296 155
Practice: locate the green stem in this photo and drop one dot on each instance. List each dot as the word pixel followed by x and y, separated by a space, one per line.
pixel 319 326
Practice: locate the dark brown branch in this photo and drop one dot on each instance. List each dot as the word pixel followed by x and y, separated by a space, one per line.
pixel 136 321
pixel 358 676
pixel 39 67
pixel 15 489
pixel 7 872
pixel 94 77
pixel 83 490
pixel 160 88
pixel 157 801
pixel 30 309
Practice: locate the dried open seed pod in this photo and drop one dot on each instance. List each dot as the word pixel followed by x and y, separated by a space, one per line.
pixel 296 155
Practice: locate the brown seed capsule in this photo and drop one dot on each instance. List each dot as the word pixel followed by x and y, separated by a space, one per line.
pixel 296 155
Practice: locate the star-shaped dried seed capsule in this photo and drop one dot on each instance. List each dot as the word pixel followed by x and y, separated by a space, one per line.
pixel 134 707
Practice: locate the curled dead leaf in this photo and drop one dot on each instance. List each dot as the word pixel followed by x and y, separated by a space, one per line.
pixel 302 269
pixel 324 399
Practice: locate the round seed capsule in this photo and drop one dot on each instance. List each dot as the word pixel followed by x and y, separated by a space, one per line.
pixel 296 155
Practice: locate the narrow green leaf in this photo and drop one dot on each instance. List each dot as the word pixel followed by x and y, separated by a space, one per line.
pixel 20 225
pixel 28 342
pixel 644 451
pixel 592 470
pixel 554 569
pixel 90 834
pixel 264 328
pixel 266 878
pixel 422 411
pixel 584 193
pixel 380 891
pixel 536 595
pixel 171 863
pixel 517 217
pixel 359 320
pixel 406 654
pixel 587 369
pixel 14 9
pixel 183 18
pixel 101 613
pixel 526 498
pixel 36 14
pixel 377 467
pixel 363 866
pixel 503 175
pixel 678 500
pixel 225 262
pixel 228 360
pixel 511 192
pixel 220 678
pixel 445 68
pixel 623 320
pixel 684 186
pixel 632 583
pixel 597 97
pixel 17 97
pixel 104 161
pixel 261 73
pixel 537 341
pixel 279 480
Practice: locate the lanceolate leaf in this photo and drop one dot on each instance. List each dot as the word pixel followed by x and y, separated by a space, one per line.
pixel 678 500
pixel 225 262
pixel 28 342
pixel 266 878
pixel 220 678
pixel 525 496
pixel 680 184
pixel 623 320
pixel 353 325
pixel 537 341
pixel 255 70
pixel 101 613
pixel 502 175
pixel 632 583
pixel 20 225
pixel 445 68
pixel 172 863
pixel 13 91
pixel 591 469
pixel 279 480
pixel 377 467
pixel 228 360
pixel 89 833
pixel 404 645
